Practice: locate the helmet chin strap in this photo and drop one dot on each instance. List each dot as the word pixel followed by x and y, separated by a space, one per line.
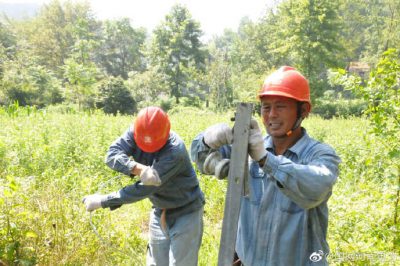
pixel 296 125
pixel 298 120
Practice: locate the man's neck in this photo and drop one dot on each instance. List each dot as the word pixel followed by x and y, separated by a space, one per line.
pixel 281 144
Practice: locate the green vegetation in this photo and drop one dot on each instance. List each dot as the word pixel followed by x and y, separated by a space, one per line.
pixel 65 55
pixel 49 161
pixel 69 85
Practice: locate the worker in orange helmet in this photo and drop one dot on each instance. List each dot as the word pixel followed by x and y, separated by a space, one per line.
pixel 284 219
pixel 158 156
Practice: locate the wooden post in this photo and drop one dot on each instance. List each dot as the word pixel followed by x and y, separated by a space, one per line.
pixel 238 169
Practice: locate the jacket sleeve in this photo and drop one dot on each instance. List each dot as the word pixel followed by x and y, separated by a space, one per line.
pixel 309 184
pixel 128 194
pixel 118 155
pixel 199 151
pixel 171 162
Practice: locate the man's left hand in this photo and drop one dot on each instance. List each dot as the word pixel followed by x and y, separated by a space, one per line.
pixel 93 202
pixel 256 142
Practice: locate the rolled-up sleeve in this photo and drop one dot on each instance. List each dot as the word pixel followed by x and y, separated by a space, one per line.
pixel 198 148
pixel 118 155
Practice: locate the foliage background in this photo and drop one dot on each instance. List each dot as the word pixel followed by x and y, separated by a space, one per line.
pixel 69 85
pixel 65 55
pixel 49 161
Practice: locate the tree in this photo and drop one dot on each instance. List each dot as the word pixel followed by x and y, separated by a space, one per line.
pixel 249 51
pixel 382 94
pixel 147 86
pixel 85 42
pixel 370 28
pixel 7 45
pixel 28 83
pixel 52 34
pixel 80 82
pixel 219 80
pixel 122 48
pixel 114 97
pixel 8 40
pixel 176 49
pixel 306 36
pixel 80 72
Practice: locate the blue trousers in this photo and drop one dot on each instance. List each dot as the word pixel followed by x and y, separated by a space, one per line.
pixel 178 243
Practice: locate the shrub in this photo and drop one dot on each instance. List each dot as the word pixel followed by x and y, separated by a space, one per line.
pixel 166 104
pixel 339 108
pixel 114 97
pixel 191 101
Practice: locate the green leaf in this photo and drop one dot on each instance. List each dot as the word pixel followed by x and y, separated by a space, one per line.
pixel 394 154
pixel 7 193
pixel 31 234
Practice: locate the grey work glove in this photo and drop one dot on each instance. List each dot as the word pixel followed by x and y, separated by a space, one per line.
pixel 256 142
pixel 150 177
pixel 218 135
pixel 93 202
pixel 215 165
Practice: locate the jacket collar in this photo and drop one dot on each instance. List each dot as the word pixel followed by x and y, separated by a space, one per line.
pixel 299 146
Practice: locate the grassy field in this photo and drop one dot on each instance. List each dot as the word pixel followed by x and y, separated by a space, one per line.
pixel 50 160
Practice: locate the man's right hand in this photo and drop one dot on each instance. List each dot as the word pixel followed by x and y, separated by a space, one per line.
pixel 150 177
pixel 218 135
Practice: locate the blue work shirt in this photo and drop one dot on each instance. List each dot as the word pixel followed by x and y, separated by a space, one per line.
pixel 179 191
pixel 284 219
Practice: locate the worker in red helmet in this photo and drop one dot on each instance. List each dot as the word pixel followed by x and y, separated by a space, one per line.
pixel 158 156
pixel 284 219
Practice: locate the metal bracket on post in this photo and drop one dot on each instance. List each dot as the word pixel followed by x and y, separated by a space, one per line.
pixel 238 171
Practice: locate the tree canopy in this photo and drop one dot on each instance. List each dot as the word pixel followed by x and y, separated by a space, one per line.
pixel 65 52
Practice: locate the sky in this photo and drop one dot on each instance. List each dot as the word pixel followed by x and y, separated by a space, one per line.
pixel 214 15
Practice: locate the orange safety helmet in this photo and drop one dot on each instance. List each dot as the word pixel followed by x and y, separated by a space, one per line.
pixel 151 129
pixel 286 82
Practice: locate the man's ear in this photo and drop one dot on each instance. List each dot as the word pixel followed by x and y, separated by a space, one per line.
pixel 305 109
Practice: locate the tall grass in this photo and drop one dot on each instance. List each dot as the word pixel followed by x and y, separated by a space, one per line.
pixel 49 161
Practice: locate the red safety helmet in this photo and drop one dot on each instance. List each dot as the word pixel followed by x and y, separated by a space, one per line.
pixel 286 82
pixel 151 129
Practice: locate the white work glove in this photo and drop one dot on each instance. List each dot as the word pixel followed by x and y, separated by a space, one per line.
pixel 256 142
pixel 93 202
pixel 150 177
pixel 217 135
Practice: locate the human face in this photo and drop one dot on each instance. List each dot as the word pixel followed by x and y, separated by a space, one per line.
pixel 279 115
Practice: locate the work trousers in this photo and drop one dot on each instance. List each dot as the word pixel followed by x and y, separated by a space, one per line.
pixel 176 242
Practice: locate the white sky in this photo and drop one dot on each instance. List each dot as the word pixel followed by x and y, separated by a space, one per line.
pixel 214 15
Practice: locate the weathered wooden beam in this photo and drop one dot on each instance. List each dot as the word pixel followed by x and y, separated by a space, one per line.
pixel 238 169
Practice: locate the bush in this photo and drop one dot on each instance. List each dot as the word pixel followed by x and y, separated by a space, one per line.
pixel 191 101
pixel 114 97
pixel 166 104
pixel 339 108
pixel 29 85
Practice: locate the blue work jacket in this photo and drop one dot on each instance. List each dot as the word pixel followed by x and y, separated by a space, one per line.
pixel 179 191
pixel 284 219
